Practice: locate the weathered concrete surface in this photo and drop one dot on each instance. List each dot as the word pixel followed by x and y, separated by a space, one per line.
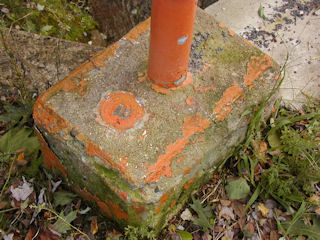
pixel 290 27
pixel 41 61
pixel 138 150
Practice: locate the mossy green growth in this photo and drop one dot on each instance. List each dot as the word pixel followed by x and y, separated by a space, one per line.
pixel 56 18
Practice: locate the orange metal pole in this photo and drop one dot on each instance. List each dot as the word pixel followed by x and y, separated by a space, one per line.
pixel 171 35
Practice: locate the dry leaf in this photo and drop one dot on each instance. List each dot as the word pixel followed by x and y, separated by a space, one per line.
pixel 249 228
pixel 275 152
pixel 263 209
pixel 274 235
pixel 227 213
pixel 48 234
pixel 263 148
pixel 94 225
pixel 225 203
pixel 31 233
pixel 226 238
pixel 317 211
pixel 238 208
pixel 3 204
pixel 20 160
pixel 314 199
pixel 22 192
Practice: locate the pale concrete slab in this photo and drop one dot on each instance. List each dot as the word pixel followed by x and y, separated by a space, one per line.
pixel 290 27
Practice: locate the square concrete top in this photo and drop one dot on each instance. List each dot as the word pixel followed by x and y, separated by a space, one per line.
pixel 158 141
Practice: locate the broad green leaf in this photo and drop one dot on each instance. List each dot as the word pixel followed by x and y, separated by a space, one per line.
pixel 29 26
pixel 15 114
pixel 62 226
pixel 300 228
pixel 274 140
pixel 185 235
pixel 34 168
pixel 45 29
pixel 238 189
pixel 63 198
pixel 204 214
pixel 18 138
pixel 40 7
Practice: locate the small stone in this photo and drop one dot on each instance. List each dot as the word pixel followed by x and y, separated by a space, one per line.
pixel 186 215
pixel 181 228
pixel 270 204
pixel 5 10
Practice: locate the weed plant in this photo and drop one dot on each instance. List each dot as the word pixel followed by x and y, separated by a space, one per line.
pixel 288 168
pixel 57 18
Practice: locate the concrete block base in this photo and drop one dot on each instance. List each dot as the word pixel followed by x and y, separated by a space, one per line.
pixel 138 150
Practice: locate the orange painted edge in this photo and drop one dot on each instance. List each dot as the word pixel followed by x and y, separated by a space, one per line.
pixel 138 30
pixel 49 158
pixel 163 198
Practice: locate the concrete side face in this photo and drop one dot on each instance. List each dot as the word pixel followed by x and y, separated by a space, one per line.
pixel 139 150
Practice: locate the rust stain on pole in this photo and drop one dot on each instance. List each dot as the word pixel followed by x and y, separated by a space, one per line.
pixel 171 34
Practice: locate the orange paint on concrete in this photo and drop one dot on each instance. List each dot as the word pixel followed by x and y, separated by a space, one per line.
pixel 181 158
pixel 120 110
pixel 188 184
pixel 204 89
pixel 94 150
pixel 108 208
pixel 163 90
pixel 163 198
pixel 91 198
pixel 231 33
pixel 223 106
pixel 191 125
pixel 134 34
pixel 160 89
pixel 116 210
pixel 46 117
pixel 173 204
pixel 138 209
pixel 103 206
pixel 76 87
pixel 255 68
pixel 123 164
pixel 109 52
pixel 194 125
pixel 222 25
pixel 163 165
pixel 187 170
pixel 70 82
pixel 170 41
pixel 247 42
pixel 49 158
pixel 123 195
pixel 190 101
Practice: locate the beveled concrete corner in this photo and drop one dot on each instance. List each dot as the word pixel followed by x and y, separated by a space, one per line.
pixel 136 149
